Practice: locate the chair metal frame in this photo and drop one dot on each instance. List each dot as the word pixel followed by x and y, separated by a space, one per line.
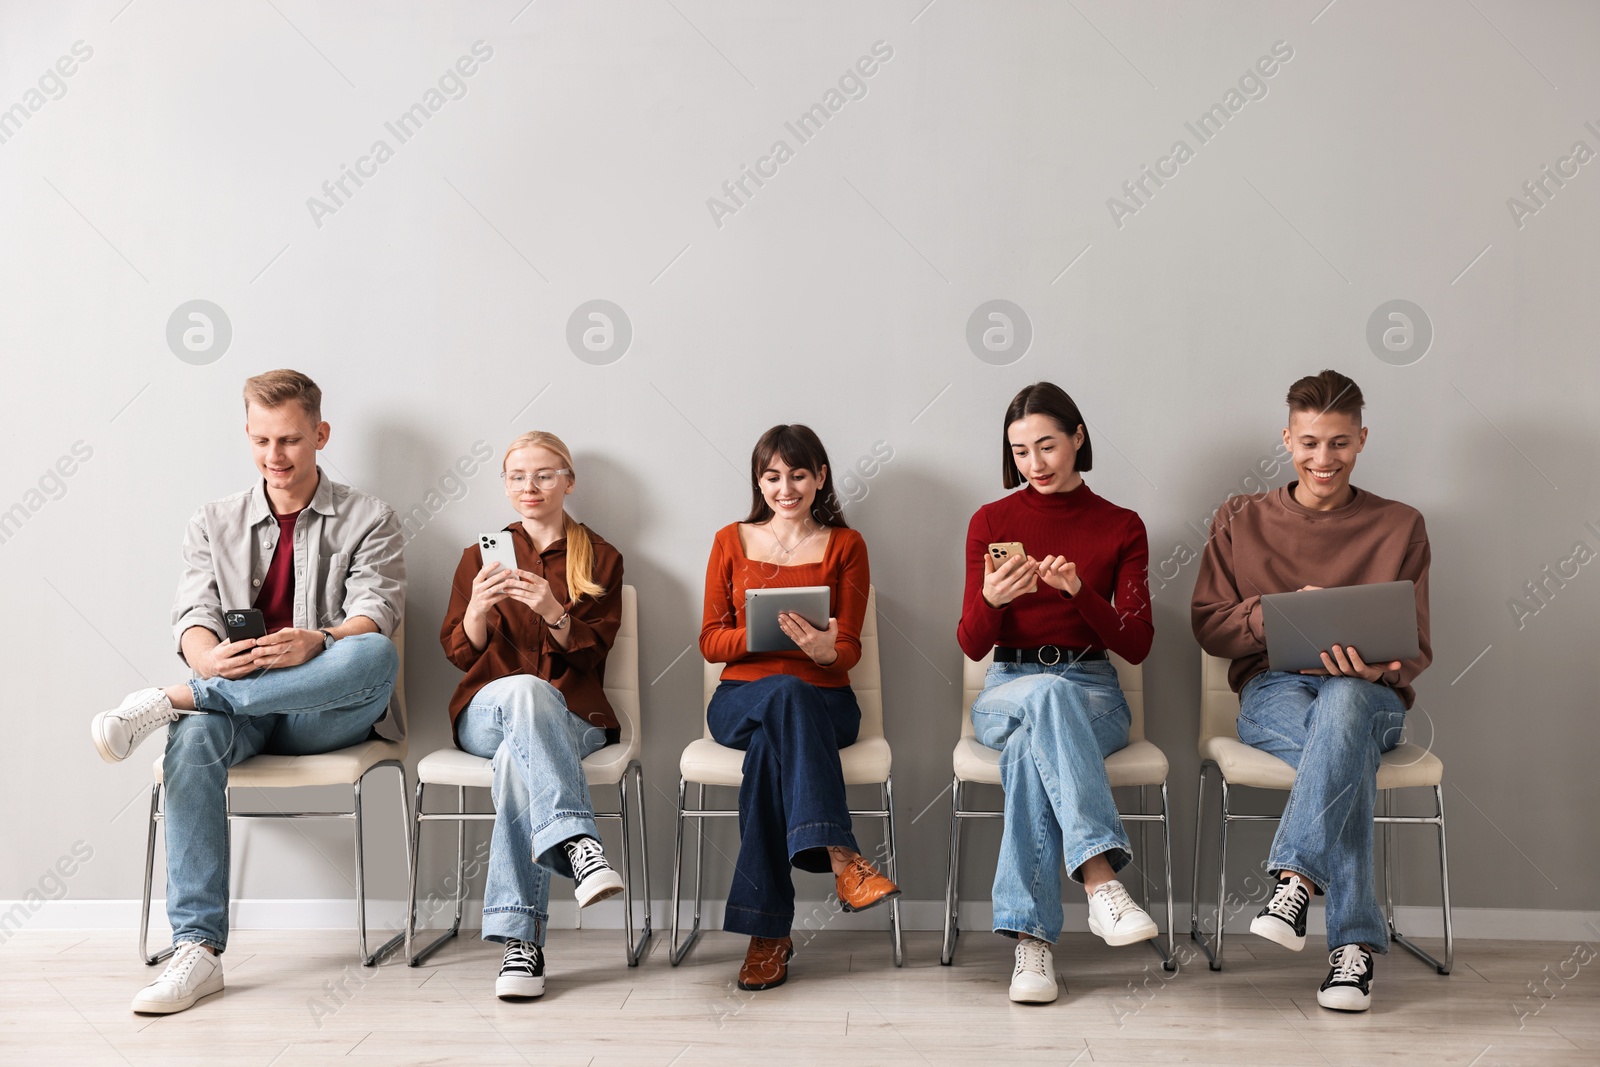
pixel 700 813
pixel 952 889
pixel 1211 942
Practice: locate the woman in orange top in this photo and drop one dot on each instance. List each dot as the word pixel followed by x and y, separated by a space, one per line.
pixel 789 711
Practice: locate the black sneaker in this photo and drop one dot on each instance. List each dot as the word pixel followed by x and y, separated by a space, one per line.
pixel 522 973
pixel 595 878
pixel 1283 920
pixel 1348 986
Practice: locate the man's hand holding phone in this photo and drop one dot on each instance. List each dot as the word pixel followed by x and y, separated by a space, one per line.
pixel 287 648
pixel 227 659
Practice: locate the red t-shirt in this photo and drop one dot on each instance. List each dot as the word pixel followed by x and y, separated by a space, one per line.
pixel 276 599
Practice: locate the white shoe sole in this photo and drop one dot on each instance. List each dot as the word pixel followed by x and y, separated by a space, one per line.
pixel 599 886
pixel 1035 994
pixel 516 987
pixel 1344 998
pixel 169 1007
pixel 1278 932
pixel 1125 937
pixel 101 744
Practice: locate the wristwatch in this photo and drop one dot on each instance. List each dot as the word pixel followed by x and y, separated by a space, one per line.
pixel 560 623
pixel 327 639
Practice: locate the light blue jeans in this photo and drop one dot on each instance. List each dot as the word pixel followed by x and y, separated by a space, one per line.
pixel 541 797
pixel 327 703
pixel 1053 727
pixel 1332 732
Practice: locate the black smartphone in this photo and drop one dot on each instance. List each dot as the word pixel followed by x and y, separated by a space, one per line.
pixel 241 623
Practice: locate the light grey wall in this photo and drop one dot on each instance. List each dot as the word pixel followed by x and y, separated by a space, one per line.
pixel 433 305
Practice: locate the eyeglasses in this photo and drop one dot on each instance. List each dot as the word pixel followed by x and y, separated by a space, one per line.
pixel 546 479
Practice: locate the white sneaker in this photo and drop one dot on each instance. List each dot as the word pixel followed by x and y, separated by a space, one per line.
pixel 118 732
pixel 1116 919
pixel 1034 979
pixel 192 972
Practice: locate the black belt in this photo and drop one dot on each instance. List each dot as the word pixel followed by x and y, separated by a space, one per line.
pixel 1049 655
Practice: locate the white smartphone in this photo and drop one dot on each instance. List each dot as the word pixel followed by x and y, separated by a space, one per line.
pixel 498 548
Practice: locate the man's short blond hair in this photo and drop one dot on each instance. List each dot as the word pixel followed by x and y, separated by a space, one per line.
pixel 278 387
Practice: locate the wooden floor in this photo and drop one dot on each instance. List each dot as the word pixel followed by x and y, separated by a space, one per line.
pixel 64 999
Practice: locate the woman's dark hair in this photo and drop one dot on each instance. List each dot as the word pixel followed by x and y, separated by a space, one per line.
pixel 799 447
pixel 1043 398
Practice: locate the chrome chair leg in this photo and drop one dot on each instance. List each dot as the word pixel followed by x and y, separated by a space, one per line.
pixel 149 881
pixel 460 877
pixel 897 943
pixel 952 879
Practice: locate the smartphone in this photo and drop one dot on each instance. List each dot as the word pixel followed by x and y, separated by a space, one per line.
pixel 242 623
pixel 498 548
pixel 1004 550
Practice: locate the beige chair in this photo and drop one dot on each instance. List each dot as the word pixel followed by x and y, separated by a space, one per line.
pixel 1139 764
pixel 346 767
pixel 1406 766
pixel 612 765
pixel 867 762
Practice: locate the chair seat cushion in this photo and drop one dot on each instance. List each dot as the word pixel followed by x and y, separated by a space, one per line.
pixel 705 762
pixel 1402 767
pixel 1140 763
pixel 343 767
pixel 451 766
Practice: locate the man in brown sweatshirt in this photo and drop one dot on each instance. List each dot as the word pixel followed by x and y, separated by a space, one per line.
pixel 1330 725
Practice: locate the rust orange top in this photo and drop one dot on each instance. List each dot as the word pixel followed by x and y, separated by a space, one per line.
pixel 730 572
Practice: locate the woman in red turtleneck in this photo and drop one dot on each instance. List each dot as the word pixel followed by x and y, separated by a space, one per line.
pixel 1051 704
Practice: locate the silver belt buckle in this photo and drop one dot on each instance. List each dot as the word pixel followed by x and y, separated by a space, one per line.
pixel 1049 663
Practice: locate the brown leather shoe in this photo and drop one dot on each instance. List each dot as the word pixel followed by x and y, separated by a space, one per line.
pixel 860 886
pixel 766 963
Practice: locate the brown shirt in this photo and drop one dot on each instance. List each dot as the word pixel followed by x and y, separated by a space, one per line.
pixel 1271 543
pixel 520 641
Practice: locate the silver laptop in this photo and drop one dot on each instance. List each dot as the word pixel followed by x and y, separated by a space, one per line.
pixel 1378 620
pixel 762 607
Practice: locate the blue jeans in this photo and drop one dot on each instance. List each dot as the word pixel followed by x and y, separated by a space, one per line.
pixel 792 802
pixel 327 703
pixel 1331 731
pixel 1053 726
pixel 541 797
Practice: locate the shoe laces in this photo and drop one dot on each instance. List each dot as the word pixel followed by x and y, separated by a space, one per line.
pixel 1031 956
pixel 148 716
pixel 1115 894
pixel 184 957
pixel 522 957
pixel 1350 963
pixel 1288 899
pixel 585 855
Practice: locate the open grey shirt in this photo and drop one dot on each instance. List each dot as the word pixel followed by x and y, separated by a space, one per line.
pixel 347 561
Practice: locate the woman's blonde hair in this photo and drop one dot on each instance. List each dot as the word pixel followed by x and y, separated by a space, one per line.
pixel 580 550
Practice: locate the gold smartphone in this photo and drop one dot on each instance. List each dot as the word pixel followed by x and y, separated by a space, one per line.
pixel 1004 550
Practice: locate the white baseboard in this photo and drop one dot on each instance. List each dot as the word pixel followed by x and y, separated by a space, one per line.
pixel 339 914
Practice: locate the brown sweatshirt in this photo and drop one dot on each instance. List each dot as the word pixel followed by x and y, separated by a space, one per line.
pixel 1269 543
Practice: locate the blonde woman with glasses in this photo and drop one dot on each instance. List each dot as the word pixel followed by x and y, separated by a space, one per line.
pixel 533 644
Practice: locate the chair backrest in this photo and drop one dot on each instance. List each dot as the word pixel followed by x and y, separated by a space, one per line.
pixel 622 668
pixel 866 679
pixel 1129 675
pixel 1219 705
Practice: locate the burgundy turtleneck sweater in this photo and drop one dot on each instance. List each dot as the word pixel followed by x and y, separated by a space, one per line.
pixel 1108 545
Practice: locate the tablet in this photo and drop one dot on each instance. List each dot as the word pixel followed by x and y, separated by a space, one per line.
pixel 1378 620
pixel 761 609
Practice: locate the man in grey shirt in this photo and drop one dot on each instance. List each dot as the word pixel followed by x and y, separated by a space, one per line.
pixel 322 563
